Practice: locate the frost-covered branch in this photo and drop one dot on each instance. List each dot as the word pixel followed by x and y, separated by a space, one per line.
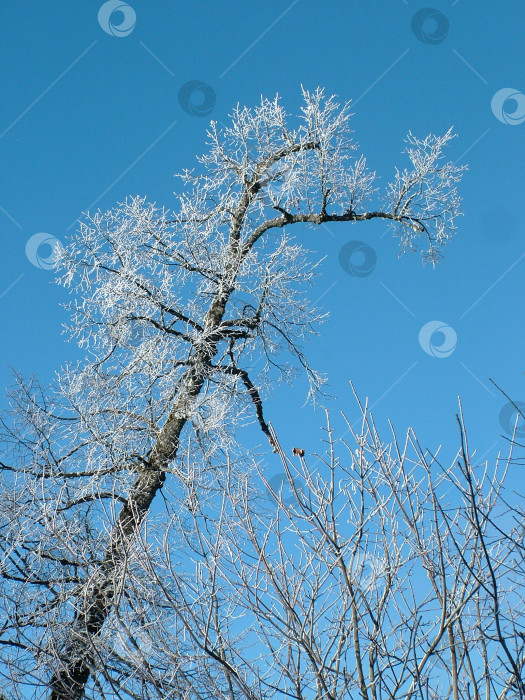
pixel 188 317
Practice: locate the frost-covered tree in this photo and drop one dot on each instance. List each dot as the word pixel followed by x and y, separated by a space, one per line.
pixel 175 310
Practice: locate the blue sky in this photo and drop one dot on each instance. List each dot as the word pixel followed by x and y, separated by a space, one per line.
pixel 88 118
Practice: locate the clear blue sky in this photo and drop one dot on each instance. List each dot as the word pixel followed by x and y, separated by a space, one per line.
pixel 87 118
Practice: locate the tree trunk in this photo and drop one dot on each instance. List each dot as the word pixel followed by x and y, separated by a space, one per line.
pixel 69 681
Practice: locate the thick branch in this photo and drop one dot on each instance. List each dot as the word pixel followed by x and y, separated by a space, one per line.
pixel 254 395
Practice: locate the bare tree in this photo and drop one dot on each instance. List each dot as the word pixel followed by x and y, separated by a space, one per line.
pixel 174 308
pixel 384 575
